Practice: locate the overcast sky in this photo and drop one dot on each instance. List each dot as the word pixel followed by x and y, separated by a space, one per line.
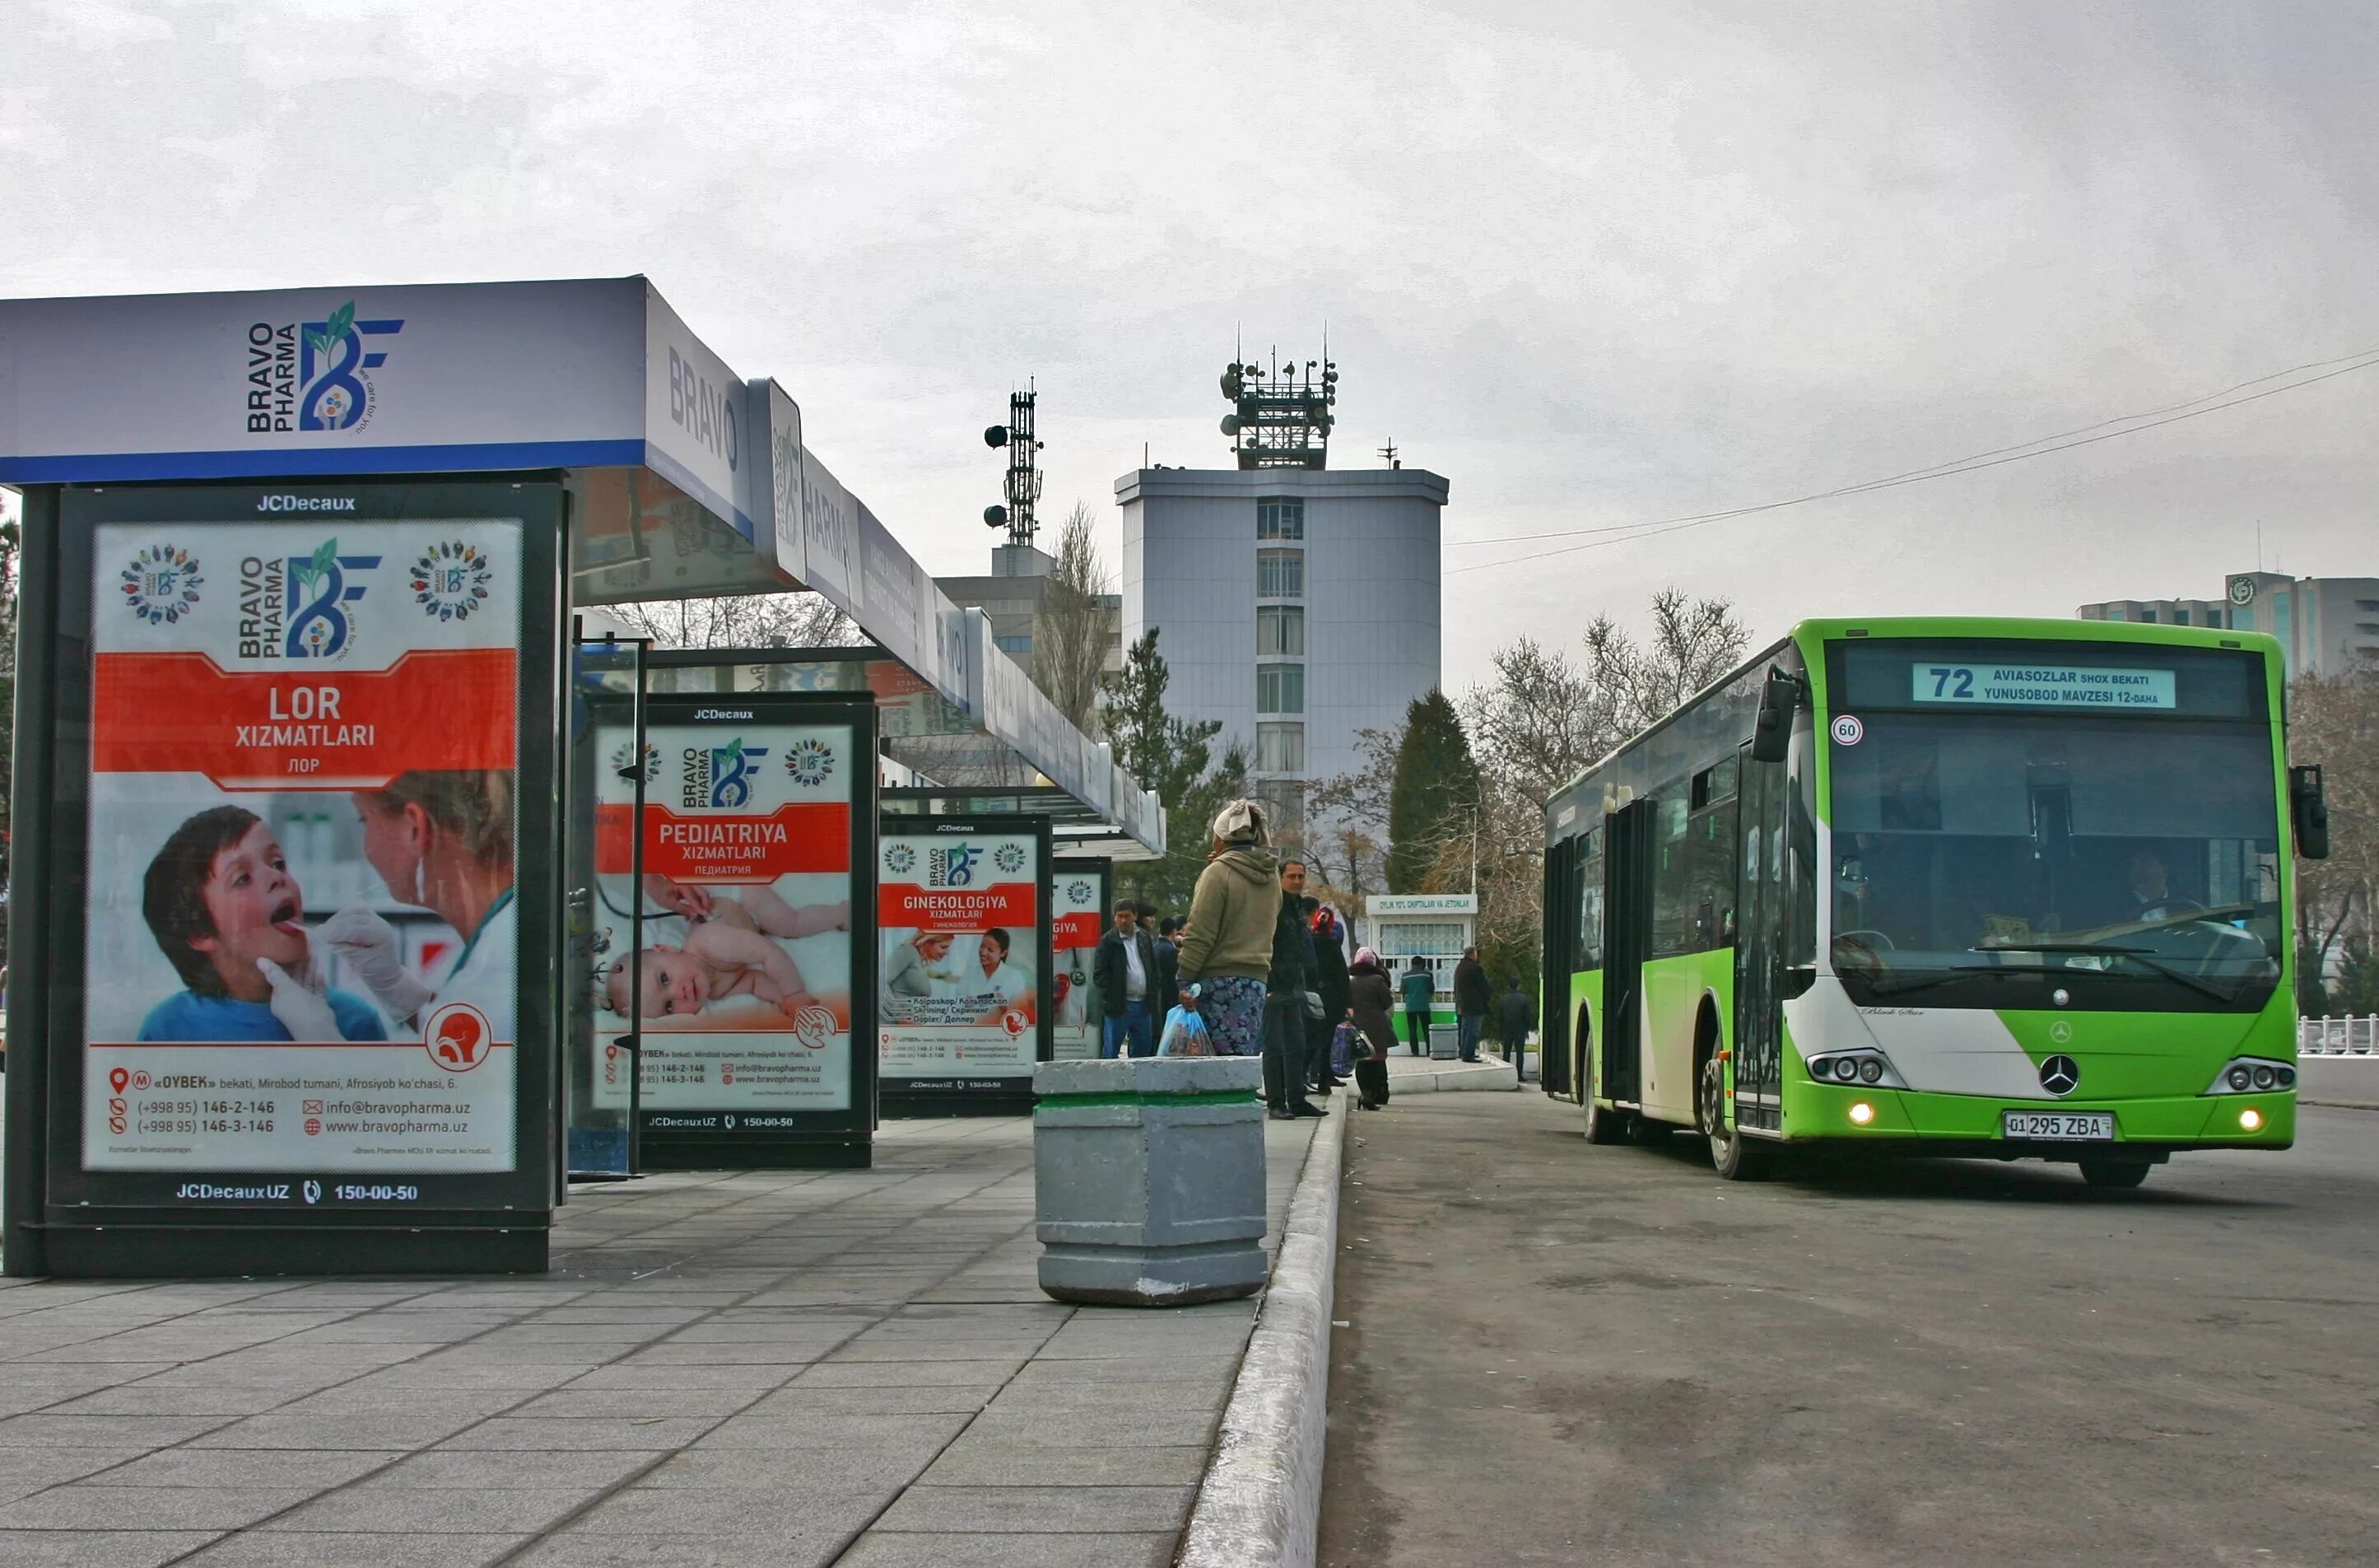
pixel 1596 262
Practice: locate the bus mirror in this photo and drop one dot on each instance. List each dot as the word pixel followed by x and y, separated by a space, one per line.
pixel 2308 811
pixel 1771 734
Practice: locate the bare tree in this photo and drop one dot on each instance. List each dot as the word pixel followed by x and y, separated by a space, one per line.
pixel 792 620
pixel 1069 634
pixel 1692 644
pixel 2334 721
pixel 1346 820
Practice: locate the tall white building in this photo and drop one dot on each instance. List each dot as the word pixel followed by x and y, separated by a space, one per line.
pixel 1297 606
pixel 2325 624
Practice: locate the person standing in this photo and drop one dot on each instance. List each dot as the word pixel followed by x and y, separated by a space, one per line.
pixel 1369 1000
pixel 1227 942
pixel 1124 972
pixel 1515 1016
pixel 1168 961
pixel 1328 950
pixel 1420 988
pixel 1473 1000
pixel 1289 986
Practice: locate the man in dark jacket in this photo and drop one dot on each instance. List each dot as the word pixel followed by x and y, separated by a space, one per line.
pixel 1290 977
pixel 1472 1002
pixel 1124 972
pixel 1515 1015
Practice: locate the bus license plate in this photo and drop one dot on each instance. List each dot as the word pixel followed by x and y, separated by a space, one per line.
pixel 2058 1127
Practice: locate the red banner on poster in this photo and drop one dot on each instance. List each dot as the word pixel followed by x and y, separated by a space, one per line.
pixel 327 728
pixel 956 909
pixel 717 847
pixel 1080 929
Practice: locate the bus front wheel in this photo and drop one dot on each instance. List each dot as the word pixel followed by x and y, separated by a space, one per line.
pixel 1733 1156
pixel 2114 1173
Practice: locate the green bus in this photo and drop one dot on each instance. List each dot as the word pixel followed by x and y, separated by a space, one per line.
pixel 1942 886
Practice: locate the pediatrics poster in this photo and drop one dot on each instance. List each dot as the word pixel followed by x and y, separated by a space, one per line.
pixel 1077 920
pixel 959 917
pixel 745 972
pixel 300 939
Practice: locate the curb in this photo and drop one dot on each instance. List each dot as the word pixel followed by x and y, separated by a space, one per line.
pixel 1466 1079
pixel 1260 1501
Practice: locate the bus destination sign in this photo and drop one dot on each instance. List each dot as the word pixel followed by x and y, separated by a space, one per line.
pixel 2040 686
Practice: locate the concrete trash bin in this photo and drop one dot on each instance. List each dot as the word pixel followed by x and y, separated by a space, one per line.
pixel 1149 1180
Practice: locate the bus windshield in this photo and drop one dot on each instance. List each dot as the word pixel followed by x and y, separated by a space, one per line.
pixel 1983 857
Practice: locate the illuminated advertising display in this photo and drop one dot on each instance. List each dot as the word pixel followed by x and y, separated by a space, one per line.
pixel 1078 918
pixel 293 968
pixel 963 955
pixel 755 809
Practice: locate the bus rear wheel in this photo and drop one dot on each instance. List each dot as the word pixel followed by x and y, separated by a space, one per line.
pixel 1603 1125
pixel 1733 1156
pixel 2114 1173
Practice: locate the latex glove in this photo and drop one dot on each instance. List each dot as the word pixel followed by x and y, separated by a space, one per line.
pixel 297 1001
pixel 370 948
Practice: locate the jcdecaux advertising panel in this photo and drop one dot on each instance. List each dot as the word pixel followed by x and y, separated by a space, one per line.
pixel 963 987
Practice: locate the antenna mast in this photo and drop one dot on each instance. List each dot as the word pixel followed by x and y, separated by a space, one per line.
pixel 1022 482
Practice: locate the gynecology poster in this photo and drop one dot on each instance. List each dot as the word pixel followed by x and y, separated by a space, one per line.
pixel 958 916
pixel 299 947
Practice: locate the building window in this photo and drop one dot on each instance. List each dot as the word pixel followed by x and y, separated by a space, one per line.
pixel 1280 517
pixel 1280 574
pixel 1280 688
pixel 1280 748
pixel 1280 629
pixel 1013 644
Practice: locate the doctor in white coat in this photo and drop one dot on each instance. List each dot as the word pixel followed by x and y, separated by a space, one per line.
pixel 442 841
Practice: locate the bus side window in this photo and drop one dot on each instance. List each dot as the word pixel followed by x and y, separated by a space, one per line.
pixel 1798 851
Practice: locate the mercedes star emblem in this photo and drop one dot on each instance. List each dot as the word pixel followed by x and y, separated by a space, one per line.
pixel 2059 1075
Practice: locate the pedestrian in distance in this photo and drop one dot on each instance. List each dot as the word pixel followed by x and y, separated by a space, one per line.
pixel 1168 958
pixel 1290 998
pixel 1329 951
pixel 1473 1000
pixel 1420 988
pixel 1515 1015
pixel 1124 972
pixel 1369 1001
pixel 1227 941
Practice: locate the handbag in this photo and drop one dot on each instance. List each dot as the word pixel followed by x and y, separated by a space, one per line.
pixel 1344 1042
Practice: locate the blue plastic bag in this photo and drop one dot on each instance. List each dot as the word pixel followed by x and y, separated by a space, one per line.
pixel 1185 1034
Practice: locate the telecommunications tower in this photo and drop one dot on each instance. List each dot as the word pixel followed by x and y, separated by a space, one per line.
pixel 1022 483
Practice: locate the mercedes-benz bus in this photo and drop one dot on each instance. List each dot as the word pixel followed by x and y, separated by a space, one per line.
pixel 1965 887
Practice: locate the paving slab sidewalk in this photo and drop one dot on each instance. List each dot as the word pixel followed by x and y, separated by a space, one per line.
pixel 722 1368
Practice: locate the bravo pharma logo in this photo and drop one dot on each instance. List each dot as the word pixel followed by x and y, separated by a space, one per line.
pixel 312 375
pixel 719 778
pixel 298 606
pixel 451 581
pixel 951 865
pixel 161 584
pixel 811 762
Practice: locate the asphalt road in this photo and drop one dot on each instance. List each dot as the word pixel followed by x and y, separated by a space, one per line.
pixel 1558 1354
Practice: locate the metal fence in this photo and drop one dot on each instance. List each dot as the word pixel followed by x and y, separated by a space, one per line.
pixel 2338 1037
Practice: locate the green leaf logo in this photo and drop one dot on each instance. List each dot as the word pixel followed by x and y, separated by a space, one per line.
pixel 310 570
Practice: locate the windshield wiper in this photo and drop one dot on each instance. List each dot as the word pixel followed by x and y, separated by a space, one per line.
pixel 1959 971
pixel 2113 949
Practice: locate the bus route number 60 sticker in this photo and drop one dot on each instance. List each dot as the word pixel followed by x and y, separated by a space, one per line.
pixel 1848 730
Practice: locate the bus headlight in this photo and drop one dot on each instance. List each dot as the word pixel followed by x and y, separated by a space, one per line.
pixel 1862 1113
pixel 1870 1072
pixel 1854 1068
pixel 2251 1118
pixel 2253 1075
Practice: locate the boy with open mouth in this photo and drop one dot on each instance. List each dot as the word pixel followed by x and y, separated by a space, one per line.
pixel 230 919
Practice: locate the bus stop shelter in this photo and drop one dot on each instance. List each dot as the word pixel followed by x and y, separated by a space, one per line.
pixel 314 810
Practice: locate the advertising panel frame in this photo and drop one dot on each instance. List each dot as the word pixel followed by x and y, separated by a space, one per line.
pixel 1099 870
pixel 674 1138
pixel 1007 1094
pixel 96 1223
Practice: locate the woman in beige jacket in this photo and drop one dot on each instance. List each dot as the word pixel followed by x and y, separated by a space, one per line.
pixel 1232 913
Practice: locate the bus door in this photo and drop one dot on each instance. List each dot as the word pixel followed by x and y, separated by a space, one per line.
pixel 1759 945
pixel 1560 960
pixel 1627 904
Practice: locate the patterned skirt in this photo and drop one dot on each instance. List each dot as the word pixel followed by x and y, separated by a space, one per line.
pixel 1233 1007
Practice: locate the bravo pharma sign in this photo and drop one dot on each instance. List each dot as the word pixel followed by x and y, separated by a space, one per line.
pixel 314 375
